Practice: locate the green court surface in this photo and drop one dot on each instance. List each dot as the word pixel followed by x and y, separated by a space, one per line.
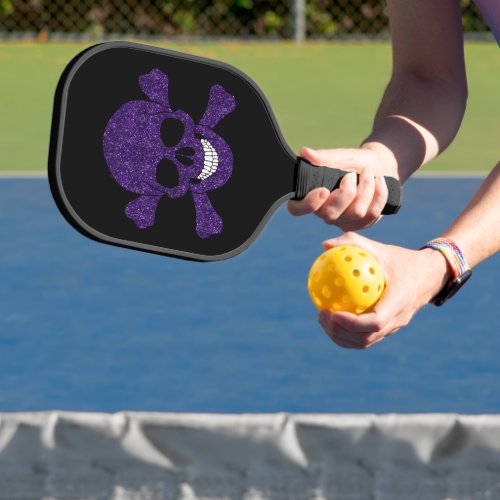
pixel 323 94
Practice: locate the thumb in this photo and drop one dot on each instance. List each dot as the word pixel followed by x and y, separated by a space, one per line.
pixel 349 238
pixel 338 158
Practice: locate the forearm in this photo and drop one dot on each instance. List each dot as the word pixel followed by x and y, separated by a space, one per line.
pixel 424 103
pixel 477 230
pixel 416 120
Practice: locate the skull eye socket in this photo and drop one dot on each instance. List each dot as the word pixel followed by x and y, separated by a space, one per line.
pixel 167 174
pixel 171 132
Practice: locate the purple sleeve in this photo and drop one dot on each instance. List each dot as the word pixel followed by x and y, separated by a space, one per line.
pixel 490 9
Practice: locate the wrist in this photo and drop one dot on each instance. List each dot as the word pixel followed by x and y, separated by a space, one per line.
pixel 386 157
pixel 457 264
pixel 437 272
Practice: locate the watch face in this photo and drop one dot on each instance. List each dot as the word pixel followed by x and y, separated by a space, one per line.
pixel 451 288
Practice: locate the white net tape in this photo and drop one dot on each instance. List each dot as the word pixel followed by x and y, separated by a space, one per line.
pixel 164 456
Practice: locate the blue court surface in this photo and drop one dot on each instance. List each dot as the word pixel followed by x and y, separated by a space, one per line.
pixel 90 327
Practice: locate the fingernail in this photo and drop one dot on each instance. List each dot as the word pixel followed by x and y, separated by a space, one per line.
pixel 328 242
pixel 323 194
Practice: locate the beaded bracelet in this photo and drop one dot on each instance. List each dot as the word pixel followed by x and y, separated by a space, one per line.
pixel 460 269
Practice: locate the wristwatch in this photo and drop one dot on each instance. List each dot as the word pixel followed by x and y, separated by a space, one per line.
pixel 460 270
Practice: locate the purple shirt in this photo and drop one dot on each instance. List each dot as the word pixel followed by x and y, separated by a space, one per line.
pixel 490 9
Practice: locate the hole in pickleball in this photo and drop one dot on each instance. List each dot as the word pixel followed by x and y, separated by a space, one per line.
pixel 363 254
pixel 339 281
pixel 317 300
pixel 379 288
pixel 171 132
pixel 348 258
pixel 356 273
pixel 372 270
pixel 346 299
pixel 317 276
pixel 327 293
pixel 167 174
pixel 366 289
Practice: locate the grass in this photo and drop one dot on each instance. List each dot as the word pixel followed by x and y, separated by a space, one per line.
pixel 323 94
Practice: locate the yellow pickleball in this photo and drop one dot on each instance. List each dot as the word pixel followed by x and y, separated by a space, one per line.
pixel 346 278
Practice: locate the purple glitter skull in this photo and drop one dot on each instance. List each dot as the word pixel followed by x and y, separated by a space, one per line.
pixel 134 150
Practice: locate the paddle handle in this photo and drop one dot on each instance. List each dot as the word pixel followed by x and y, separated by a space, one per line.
pixel 309 177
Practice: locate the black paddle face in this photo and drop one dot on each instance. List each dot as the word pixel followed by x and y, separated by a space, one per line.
pixel 160 151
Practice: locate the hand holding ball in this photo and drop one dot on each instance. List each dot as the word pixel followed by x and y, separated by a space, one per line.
pixel 346 278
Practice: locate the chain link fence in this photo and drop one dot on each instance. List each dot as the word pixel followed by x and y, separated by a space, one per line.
pixel 206 18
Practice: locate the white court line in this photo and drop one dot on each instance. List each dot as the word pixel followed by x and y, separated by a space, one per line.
pixel 453 174
pixel 24 174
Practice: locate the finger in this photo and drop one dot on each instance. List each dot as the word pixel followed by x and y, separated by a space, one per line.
pixel 345 344
pixel 375 339
pixel 385 317
pixel 380 196
pixel 353 341
pixel 338 334
pixel 362 340
pixel 366 209
pixel 365 191
pixel 348 338
pixel 341 340
pixel 311 155
pixel 338 157
pixel 362 324
pixel 338 201
pixel 348 238
pixel 372 343
pixel 311 203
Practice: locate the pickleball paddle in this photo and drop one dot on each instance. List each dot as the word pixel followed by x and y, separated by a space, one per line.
pixel 172 153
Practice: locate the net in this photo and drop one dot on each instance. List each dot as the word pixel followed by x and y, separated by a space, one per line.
pixel 159 456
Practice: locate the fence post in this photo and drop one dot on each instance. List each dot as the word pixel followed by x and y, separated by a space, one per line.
pixel 299 20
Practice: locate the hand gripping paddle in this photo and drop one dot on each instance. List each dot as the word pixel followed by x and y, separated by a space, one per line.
pixel 172 153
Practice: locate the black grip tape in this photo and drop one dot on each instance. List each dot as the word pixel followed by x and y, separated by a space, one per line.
pixel 309 177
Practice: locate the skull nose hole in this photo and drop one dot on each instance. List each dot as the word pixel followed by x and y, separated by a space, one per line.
pixel 171 132
pixel 185 160
pixel 167 174
pixel 185 156
pixel 185 151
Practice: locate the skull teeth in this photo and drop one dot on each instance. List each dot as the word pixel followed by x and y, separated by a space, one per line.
pixel 210 161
